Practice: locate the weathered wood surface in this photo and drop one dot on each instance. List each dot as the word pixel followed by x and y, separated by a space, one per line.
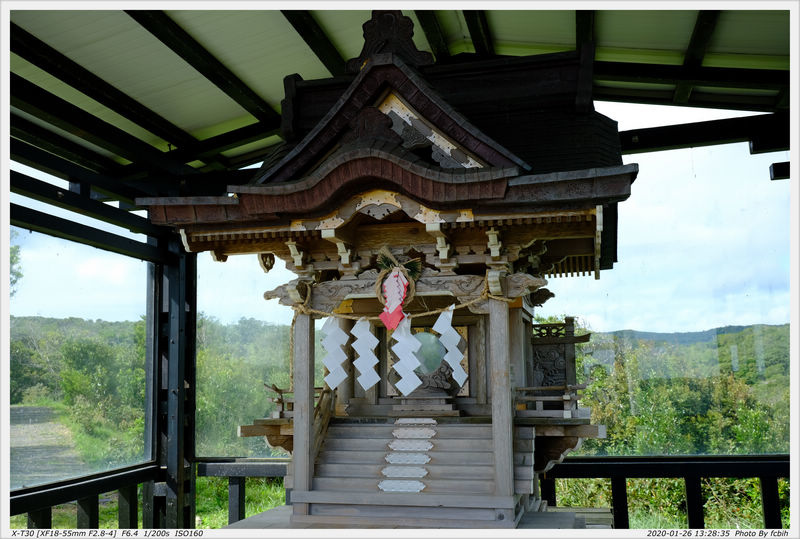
pixel 502 415
pixel 303 374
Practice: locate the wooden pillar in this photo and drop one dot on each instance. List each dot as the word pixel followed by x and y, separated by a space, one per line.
pixel 517 338
pixel 303 405
pixel 345 390
pixel 502 413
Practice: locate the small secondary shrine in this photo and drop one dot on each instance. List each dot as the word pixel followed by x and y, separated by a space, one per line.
pixel 422 208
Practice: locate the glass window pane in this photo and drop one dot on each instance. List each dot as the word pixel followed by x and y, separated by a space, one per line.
pixel 243 347
pixel 689 351
pixel 77 359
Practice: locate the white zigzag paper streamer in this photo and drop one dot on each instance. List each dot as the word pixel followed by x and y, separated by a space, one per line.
pixel 450 338
pixel 404 349
pixel 334 339
pixel 364 344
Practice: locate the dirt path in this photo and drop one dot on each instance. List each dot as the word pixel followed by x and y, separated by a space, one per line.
pixel 42 449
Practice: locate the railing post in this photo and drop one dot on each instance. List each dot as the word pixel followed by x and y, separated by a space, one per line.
pixel 88 512
pixel 128 507
pixel 770 502
pixel 236 499
pixel 41 518
pixel 694 502
pixel 619 503
pixel 547 486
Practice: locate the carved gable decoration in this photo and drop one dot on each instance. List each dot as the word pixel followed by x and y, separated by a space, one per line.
pixel 389 31
pixel 390 110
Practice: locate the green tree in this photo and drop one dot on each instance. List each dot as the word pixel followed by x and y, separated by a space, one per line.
pixel 15 264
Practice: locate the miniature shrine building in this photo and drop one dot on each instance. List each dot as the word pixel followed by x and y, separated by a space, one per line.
pixel 398 214
pixel 422 206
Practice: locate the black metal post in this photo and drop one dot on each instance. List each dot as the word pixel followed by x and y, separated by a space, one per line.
pixel 128 507
pixel 88 512
pixel 694 502
pixel 770 502
pixel 41 518
pixel 619 502
pixel 236 499
pixel 547 486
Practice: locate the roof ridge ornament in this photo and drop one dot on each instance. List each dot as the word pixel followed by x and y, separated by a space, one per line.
pixel 389 31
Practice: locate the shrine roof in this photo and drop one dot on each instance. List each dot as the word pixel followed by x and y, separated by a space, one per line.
pixel 382 73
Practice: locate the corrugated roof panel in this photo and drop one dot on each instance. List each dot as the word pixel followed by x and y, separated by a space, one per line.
pixel 645 29
pixel 30 72
pixel 751 33
pixel 454 28
pixel 255 45
pixel 520 33
pixel 115 48
pixel 69 136
pixel 343 28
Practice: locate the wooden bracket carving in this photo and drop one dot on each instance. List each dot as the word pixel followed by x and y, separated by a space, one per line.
pixel 522 284
pixel 442 241
pixel 495 280
pixel 494 244
pixel 266 261
pixel 343 247
pixel 297 255
pixel 218 256
pixel 291 293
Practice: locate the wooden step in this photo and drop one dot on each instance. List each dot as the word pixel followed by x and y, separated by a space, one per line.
pixel 386 431
pixel 406 499
pixel 454 458
pixel 471 471
pixel 432 486
pixel 410 513
pixel 439 444
pixel 399 522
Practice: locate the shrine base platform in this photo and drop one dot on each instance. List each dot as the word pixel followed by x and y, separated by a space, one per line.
pixel 278 518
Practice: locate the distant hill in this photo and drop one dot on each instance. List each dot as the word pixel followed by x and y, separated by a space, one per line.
pixel 755 353
pixel 689 337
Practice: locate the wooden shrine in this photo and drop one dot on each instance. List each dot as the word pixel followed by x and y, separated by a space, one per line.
pixel 422 209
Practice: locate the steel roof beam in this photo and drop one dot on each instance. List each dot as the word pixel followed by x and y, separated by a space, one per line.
pixel 87 235
pixel 63 198
pixel 52 109
pixel 56 64
pixel 723 77
pixel 49 163
pixel 766 132
pixel 311 32
pixel 181 43
pixel 701 37
pixel 479 32
pixel 433 33
pixel 45 139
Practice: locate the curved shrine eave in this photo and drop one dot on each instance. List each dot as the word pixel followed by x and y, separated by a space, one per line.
pixel 442 195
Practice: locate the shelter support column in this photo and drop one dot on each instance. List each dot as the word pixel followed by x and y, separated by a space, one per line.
pixel 303 379
pixel 502 413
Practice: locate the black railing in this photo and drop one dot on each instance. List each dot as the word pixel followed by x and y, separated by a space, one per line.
pixel 237 470
pixel 38 501
pixel 768 468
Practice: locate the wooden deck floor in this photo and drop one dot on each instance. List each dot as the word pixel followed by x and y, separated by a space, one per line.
pixel 554 518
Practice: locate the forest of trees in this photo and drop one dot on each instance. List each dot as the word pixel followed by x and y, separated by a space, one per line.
pixel 720 392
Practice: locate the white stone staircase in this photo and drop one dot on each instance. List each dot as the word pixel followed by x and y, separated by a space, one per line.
pixel 414 472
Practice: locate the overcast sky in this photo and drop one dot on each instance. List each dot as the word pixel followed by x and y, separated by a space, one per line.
pixel 703 242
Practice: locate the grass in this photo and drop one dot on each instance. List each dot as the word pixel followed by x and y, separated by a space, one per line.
pixel 261 494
